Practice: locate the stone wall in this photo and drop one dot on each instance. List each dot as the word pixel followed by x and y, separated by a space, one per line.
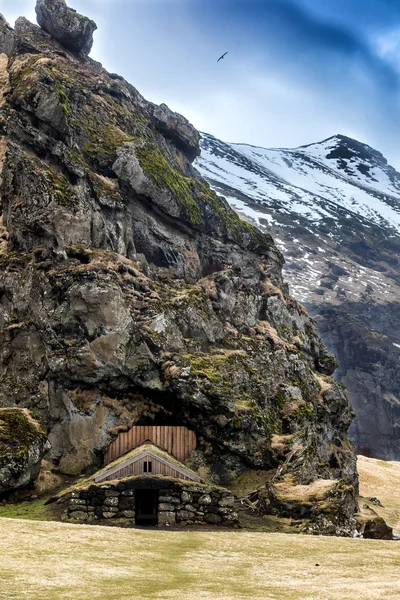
pixel 180 503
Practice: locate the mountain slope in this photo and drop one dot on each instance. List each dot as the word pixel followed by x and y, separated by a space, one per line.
pixel 334 210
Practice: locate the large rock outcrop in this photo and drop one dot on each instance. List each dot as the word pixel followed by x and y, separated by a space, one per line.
pixel 130 293
pixel 178 129
pixel 65 25
pixel 22 446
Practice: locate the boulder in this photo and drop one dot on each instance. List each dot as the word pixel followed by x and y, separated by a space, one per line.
pixel 377 529
pixel 213 519
pixel 22 446
pixel 326 506
pixel 72 30
pixel 177 128
pixel 166 518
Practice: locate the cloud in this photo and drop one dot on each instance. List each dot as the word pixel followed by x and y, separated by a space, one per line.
pixel 387 46
pixel 290 78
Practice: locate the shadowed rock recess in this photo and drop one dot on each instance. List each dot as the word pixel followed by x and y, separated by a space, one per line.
pixel 131 294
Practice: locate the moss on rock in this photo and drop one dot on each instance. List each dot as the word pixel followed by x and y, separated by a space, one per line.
pixel 22 445
pixel 18 431
pixel 156 165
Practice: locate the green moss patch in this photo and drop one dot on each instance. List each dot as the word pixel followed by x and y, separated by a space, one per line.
pixel 156 165
pixel 231 224
pixel 198 200
pixel 23 79
pixel 60 189
pixel 217 368
pixel 102 140
pixel 18 431
pixel 34 510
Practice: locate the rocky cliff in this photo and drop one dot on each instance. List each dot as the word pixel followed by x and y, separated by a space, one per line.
pixel 22 445
pixel 131 293
pixel 361 335
pixel 334 209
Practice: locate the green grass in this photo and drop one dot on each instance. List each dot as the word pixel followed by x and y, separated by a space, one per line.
pixel 34 510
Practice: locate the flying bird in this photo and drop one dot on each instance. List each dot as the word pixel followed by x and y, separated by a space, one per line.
pixel 221 57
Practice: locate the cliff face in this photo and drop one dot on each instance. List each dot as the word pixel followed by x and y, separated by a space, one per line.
pixel 369 367
pixel 334 208
pixel 130 293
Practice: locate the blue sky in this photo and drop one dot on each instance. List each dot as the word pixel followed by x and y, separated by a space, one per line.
pixel 297 71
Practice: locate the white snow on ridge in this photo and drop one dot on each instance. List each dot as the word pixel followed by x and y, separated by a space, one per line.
pixel 335 186
pixel 378 178
pixel 303 181
pixel 254 215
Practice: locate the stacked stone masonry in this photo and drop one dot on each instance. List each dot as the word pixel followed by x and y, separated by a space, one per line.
pixel 177 504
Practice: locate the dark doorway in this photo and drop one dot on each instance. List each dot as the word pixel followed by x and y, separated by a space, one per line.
pixel 146 503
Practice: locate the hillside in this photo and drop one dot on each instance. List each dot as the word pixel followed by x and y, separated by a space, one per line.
pixel 380 479
pixel 132 294
pixel 334 210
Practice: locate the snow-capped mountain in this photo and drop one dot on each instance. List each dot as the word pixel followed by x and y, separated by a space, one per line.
pixel 334 196
pixel 333 208
pixel 319 180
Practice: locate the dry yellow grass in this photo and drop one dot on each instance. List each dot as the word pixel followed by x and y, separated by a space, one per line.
pixel 317 490
pixel 47 480
pixel 55 561
pixel 381 479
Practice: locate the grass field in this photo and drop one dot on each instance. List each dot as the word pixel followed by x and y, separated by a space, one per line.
pixel 54 561
pixel 382 480
pixel 42 560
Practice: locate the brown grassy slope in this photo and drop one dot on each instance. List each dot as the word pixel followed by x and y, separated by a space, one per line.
pixel 55 561
pixel 381 479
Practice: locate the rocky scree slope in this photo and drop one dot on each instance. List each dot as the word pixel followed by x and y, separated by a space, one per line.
pixel 130 293
pixel 334 210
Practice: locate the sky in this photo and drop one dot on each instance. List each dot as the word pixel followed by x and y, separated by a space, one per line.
pixel 296 72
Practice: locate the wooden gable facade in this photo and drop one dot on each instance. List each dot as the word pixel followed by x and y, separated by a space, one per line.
pixel 147 460
pixel 178 441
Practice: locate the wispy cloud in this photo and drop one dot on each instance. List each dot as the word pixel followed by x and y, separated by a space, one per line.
pixel 387 46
